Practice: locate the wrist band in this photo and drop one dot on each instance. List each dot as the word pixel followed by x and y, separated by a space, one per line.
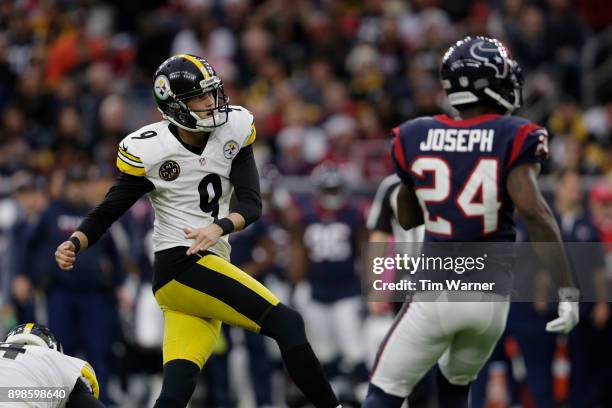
pixel 77 244
pixel 226 225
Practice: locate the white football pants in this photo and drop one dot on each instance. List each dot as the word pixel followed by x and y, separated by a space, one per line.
pixel 460 336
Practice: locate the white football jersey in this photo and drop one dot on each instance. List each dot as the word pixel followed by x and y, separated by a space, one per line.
pixel 191 190
pixel 35 366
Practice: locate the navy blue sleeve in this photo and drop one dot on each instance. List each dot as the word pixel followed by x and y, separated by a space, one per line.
pixel 398 157
pixel 530 145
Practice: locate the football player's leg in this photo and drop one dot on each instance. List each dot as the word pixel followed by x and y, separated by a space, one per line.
pixel 469 349
pixel 349 329
pixel 413 345
pixel 188 342
pixel 98 320
pixel 216 289
pixel 62 311
pixel 320 332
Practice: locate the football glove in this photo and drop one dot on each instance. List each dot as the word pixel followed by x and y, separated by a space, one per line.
pixel 568 312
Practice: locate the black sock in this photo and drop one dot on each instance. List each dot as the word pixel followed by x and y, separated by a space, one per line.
pixel 377 398
pixel 307 374
pixel 450 395
pixel 286 326
pixel 180 378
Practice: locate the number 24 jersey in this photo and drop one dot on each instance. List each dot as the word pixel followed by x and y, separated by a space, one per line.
pixel 459 168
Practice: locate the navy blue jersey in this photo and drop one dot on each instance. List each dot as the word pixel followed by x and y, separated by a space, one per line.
pixel 244 242
pixel 458 169
pixel 281 241
pixel 331 243
pixel 97 269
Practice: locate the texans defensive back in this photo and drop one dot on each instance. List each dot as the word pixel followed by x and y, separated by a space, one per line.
pixel 462 178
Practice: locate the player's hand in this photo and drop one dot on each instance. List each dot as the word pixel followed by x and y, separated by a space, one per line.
pixel 568 312
pixel 65 256
pixel 203 238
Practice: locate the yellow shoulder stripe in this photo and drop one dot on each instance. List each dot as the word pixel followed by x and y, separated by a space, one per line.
pixel 253 135
pixel 88 373
pixel 129 156
pixel 197 64
pixel 128 168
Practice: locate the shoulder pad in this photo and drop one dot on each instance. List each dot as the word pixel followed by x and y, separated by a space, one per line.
pixel 420 121
pixel 88 376
pixel 242 125
pixel 137 148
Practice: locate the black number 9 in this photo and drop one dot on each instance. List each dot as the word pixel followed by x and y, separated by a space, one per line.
pixel 209 203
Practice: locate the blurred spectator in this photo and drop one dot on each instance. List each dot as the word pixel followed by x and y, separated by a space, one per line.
pixel 18 216
pixel 586 344
pixel 531 43
pixel 341 131
pixel 14 149
pixel 81 303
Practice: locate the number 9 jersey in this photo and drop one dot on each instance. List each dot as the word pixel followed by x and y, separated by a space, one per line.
pixel 459 168
pixel 191 189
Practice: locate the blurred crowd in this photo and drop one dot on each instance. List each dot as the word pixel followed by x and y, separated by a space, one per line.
pixel 325 80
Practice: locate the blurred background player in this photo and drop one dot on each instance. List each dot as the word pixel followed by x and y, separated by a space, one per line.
pixel 384 229
pixel 81 306
pixel 333 235
pixel 19 217
pixel 454 188
pixel 32 357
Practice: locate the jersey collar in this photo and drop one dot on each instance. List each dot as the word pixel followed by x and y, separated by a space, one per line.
pixel 476 120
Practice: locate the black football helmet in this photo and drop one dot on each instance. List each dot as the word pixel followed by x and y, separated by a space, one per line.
pixel 35 335
pixel 185 76
pixel 481 69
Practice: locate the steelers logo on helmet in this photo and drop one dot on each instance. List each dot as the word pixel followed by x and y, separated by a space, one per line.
pixel 481 70
pixel 162 87
pixel 187 77
pixel 34 334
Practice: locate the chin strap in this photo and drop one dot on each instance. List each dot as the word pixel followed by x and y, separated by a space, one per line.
pixel 503 102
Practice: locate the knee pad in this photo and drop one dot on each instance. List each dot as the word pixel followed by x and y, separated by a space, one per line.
pixel 286 326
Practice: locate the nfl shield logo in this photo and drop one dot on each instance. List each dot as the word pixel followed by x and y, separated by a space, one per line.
pixel 202 161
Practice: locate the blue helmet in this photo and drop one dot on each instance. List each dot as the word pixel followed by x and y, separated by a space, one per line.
pixel 481 69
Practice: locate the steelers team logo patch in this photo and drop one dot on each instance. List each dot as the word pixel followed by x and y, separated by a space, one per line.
pixel 230 149
pixel 162 87
pixel 169 170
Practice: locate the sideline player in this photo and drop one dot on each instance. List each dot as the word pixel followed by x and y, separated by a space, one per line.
pixel 464 189
pixel 189 163
pixel 332 236
pixel 32 358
